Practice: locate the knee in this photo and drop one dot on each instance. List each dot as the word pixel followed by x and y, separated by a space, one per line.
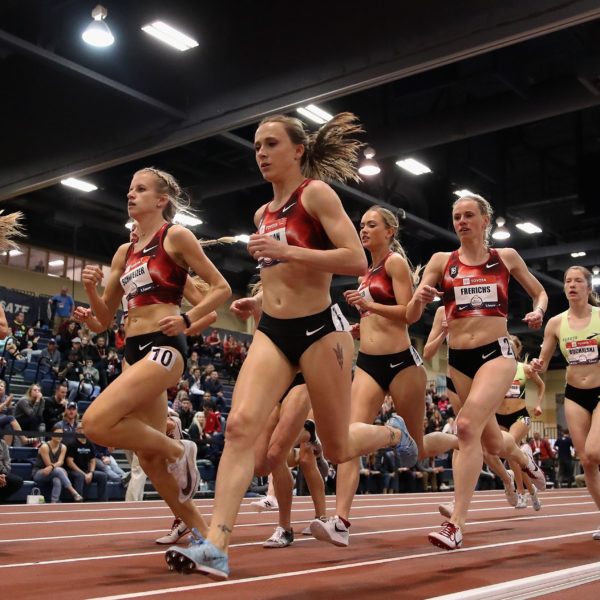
pixel 467 431
pixel 336 453
pixel 261 467
pixel 240 431
pixel 93 429
pixel 590 459
pixel 276 455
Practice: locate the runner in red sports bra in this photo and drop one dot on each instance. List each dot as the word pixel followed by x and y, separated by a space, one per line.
pixel 131 412
pixel 292 225
pixel 481 360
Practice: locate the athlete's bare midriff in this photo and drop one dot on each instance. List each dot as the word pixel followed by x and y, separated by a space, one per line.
pixel 144 319
pixel 472 332
pixel 379 335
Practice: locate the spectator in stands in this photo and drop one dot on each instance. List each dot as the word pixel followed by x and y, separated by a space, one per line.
pixel 48 467
pixel 387 408
pixel 193 362
pixel 29 410
pixel 19 329
pixel 213 420
pixel 98 352
pixel 9 482
pixel 449 425
pixel 68 330
pixel 214 386
pixel 181 392
pixel 436 422
pixel 69 423
pixel 113 367
pixel 9 426
pixel 51 356
pixel 12 351
pixel 55 406
pixel 388 466
pixel 208 369
pixel 195 388
pixel 120 339
pixel 62 306
pixel 565 449
pixel 213 341
pixel 90 373
pixel 430 474
pixel 196 433
pixel 543 455
pixel 72 371
pixel 106 462
pixel 76 347
pixel 29 346
pixel 81 461
pixel 186 413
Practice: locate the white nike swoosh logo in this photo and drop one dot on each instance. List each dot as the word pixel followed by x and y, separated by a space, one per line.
pixel 288 208
pixel 490 266
pixel 315 331
pixel 484 356
pixel 144 346
pixel 146 250
pixel 396 365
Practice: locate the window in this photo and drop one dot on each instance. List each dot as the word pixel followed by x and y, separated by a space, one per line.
pixel 38 260
pixel 74 266
pixel 56 264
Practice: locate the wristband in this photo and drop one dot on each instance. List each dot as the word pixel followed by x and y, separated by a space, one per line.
pixel 540 308
pixel 186 319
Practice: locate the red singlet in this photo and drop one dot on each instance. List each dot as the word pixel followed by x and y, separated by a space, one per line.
pixel 151 276
pixel 475 291
pixel 377 285
pixel 292 225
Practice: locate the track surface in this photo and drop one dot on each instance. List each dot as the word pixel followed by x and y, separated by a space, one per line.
pixel 100 550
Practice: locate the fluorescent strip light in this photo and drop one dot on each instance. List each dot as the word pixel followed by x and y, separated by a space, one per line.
pixel 461 193
pixel 12 253
pixel 315 114
pixel 577 254
pixel 56 263
pixel 169 35
pixel 528 227
pixel 243 238
pixel 413 166
pixel 78 184
pixel 186 220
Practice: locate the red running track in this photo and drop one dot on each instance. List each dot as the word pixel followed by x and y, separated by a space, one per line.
pixel 98 550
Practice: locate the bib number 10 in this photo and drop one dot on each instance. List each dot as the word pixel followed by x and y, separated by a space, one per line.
pixel 162 356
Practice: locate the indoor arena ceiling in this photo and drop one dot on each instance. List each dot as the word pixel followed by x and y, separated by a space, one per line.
pixel 501 98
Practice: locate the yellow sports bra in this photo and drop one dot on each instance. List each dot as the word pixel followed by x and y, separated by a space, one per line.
pixel 580 347
pixel 517 387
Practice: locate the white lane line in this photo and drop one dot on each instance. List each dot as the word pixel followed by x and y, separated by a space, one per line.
pixel 167 513
pixel 304 539
pixel 530 587
pixel 369 563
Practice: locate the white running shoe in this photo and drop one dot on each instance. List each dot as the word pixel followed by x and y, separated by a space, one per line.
pixel 449 537
pixel 266 503
pixel 510 491
pixel 521 501
pixel 185 471
pixel 330 530
pixel 535 500
pixel 178 530
pixel 280 539
pixel 596 534
pixel 526 449
pixel 447 509
pixel 306 530
pixel 535 474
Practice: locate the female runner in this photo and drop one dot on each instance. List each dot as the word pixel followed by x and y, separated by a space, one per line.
pixel 512 416
pixel 304 236
pixel 577 331
pixel 474 282
pixel 152 273
pixel 10 227
pixel 386 360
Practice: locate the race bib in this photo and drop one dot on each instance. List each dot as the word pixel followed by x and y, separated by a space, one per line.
pixel 582 352
pixel 165 357
pixel 416 356
pixel 339 320
pixel 365 292
pixel 137 278
pixel 472 293
pixel 276 230
pixel 505 347
pixel 514 391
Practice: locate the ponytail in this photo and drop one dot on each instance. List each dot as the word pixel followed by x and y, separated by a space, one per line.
pixel 10 227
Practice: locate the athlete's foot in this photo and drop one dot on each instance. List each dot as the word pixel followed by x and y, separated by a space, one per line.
pixel 280 539
pixel 333 530
pixel 535 500
pixel 535 474
pixel 185 471
pixel 407 449
pixel 310 426
pixel 265 504
pixel 449 537
pixel 447 509
pixel 178 530
pixel 521 501
pixel 201 556
pixel 509 489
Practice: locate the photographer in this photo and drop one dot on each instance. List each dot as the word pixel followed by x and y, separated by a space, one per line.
pixel 73 372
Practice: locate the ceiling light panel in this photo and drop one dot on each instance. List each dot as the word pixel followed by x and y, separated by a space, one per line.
pixel 529 228
pixel 413 166
pixel 186 220
pixel 315 114
pixel 78 184
pixel 170 36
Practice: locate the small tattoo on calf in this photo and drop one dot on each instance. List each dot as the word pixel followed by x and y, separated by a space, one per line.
pixel 224 528
pixel 339 354
pixel 392 436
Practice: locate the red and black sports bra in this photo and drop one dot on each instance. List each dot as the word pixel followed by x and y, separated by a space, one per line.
pixel 151 276
pixel 477 290
pixel 292 225
pixel 377 285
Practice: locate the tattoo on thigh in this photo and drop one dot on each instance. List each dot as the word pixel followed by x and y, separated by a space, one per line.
pixel 339 354
pixel 224 528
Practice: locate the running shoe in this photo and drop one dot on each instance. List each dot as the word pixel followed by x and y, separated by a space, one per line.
pixel 201 556
pixel 407 449
pixel 521 501
pixel 177 432
pixel 449 537
pixel 526 449
pixel 510 490
pixel 447 509
pixel 310 426
pixel 306 530
pixel 596 534
pixel 178 530
pixel 535 500
pixel 185 471
pixel 280 539
pixel 264 504
pixel 535 474
pixel 330 530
